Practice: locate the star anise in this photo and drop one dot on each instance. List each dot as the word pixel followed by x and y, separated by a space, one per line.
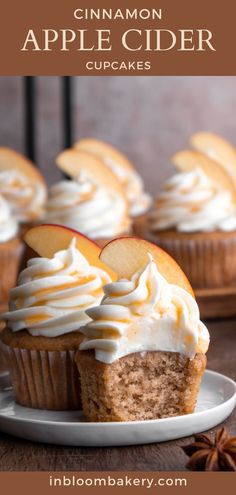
pixel 212 455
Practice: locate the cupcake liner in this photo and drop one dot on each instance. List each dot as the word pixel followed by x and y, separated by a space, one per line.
pixel 3 362
pixel 10 259
pixel 25 226
pixel 44 379
pixel 208 259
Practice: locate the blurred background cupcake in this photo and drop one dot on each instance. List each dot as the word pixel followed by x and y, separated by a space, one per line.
pixel 194 219
pixel 23 187
pixel 139 201
pixel 92 202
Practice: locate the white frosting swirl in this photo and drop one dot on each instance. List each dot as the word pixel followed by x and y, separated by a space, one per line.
pixel 8 225
pixel 53 294
pixel 87 207
pixel 191 202
pixel 25 198
pixel 138 199
pixel 145 313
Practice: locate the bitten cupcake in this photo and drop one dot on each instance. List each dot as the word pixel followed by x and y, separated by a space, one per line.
pixel 138 199
pixel 23 187
pixel 194 220
pixel 93 202
pixel 143 356
pixel 11 248
pixel 47 309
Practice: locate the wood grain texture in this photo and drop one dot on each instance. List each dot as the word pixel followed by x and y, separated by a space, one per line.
pixel 217 303
pixel 20 455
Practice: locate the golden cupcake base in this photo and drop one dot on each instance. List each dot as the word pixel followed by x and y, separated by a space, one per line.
pixel 43 372
pixel 139 386
pixel 207 258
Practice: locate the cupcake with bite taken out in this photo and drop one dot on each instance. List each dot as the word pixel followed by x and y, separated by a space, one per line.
pixel 143 355
pixel 92 202
pixel 46 311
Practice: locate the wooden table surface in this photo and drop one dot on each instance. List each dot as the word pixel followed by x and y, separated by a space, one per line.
pixel 20 455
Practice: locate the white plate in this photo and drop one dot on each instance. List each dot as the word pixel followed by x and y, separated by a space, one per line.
pixel 217 399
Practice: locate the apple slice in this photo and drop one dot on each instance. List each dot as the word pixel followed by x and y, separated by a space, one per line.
pixel 73 161
pixel 10 159
pixel 215 147
pixel 47 239
pixel 103 151
pixel 188 160
pixel 126 255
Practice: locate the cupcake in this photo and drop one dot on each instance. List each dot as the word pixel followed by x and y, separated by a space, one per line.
pixel 11 248
pixel 92 202
pixel 46 311
pixel 194 220
pixel 143 355
pixel 139 201
pixel 23 187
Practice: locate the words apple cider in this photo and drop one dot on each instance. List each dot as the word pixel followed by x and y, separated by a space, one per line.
pixel 132 40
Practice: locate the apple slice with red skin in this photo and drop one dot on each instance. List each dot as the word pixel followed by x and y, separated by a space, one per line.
pixel 11 160
pixel 216 148
pixel 127 255
pixel 47 239
pixel 74 161
pixel 103 151
pixel 187 160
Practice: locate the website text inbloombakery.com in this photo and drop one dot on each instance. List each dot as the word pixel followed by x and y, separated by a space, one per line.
pixel 116 481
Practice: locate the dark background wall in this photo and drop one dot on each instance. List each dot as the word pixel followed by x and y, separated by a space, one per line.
pixel 148 118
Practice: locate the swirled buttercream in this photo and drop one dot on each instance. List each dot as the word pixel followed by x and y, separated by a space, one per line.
pixel 145 313
pixel 191 202
pixel 53 294
pixel 139 200
pixel 85 206
pixel 8 225
pixel 25 198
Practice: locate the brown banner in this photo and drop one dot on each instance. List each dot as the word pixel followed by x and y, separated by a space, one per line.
pixel 109 483
pixel 132 37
